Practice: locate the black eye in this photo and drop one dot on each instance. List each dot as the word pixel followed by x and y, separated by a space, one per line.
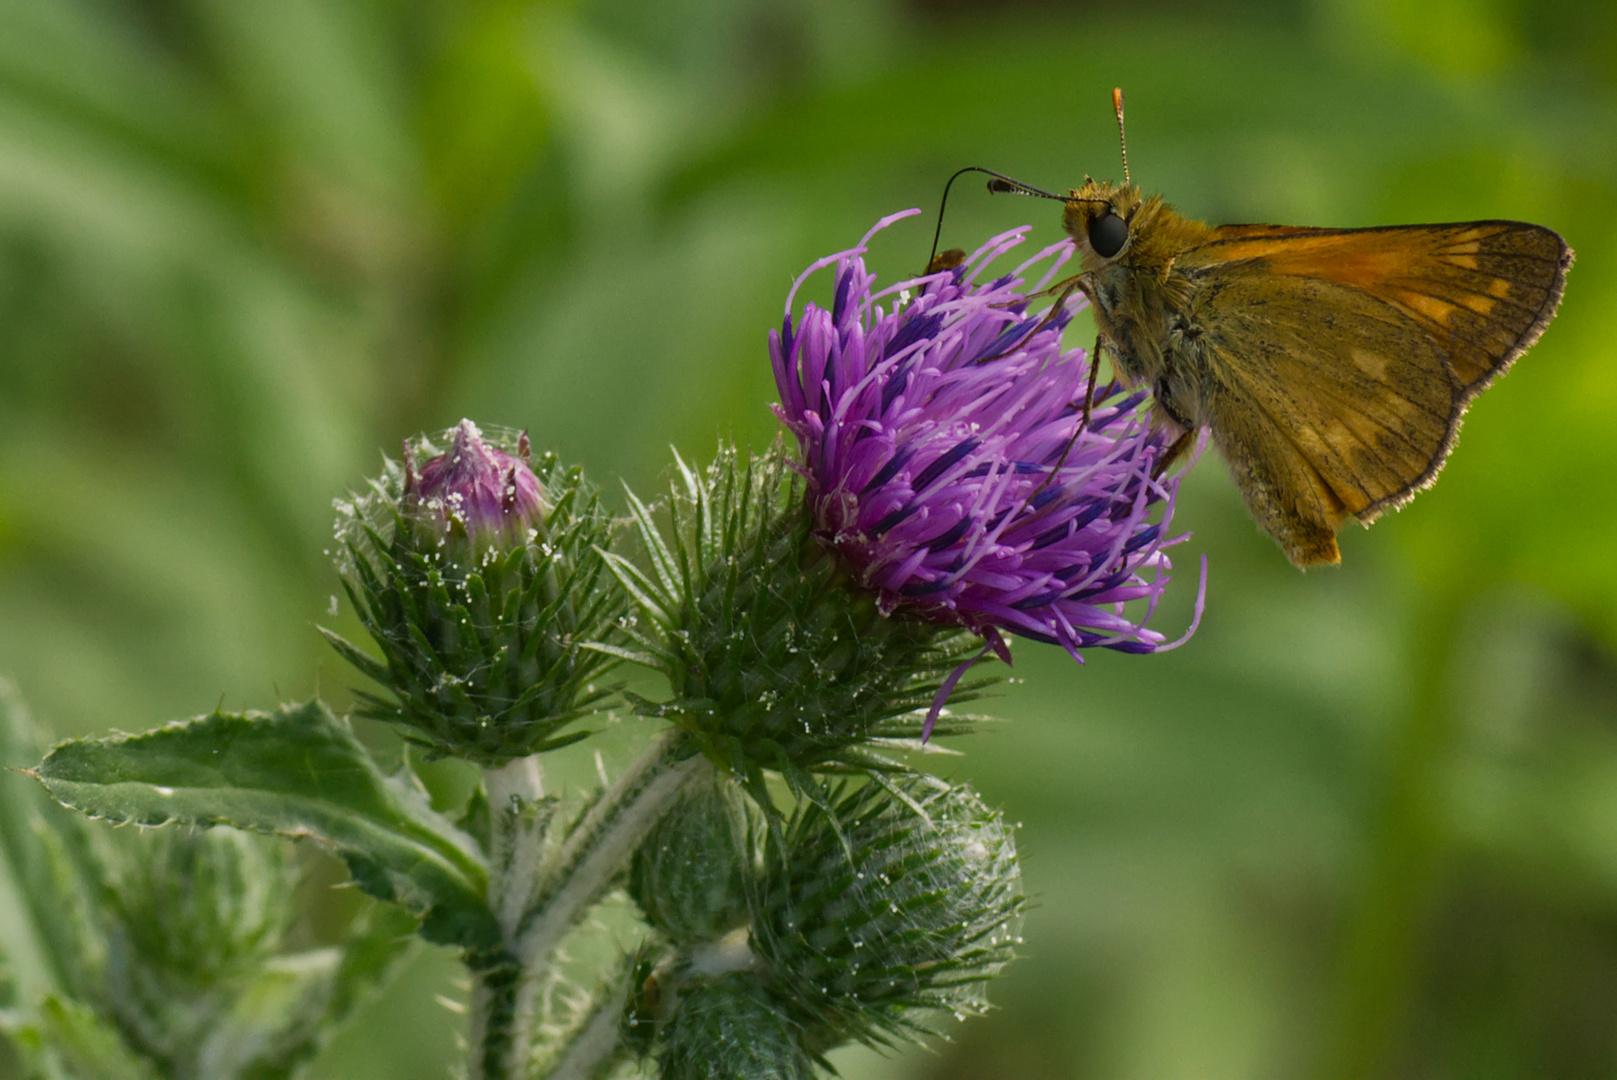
pixel 1107 234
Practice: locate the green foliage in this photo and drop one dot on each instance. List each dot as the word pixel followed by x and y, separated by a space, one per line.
pixel 298 771
pixel 68 1041
pixel 196 979
pixel 775 658
pixel 197 907
pixel 48 855
pixel 484 653
pixel 182 965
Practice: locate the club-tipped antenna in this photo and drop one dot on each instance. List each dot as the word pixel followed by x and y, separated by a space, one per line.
pixel 1000 184
pixel 1122 141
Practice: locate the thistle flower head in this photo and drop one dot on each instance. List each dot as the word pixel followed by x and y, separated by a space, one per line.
pixel 480 577
pixel 475 490
pixel 950 462
pixel 775 659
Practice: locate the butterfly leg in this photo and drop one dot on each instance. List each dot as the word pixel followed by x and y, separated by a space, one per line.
pixel 1083 420
pixel 1094 372
pixel 1175 452
pixel 1067 288
pixel 1187 430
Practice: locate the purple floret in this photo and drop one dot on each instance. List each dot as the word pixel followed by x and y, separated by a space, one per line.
pixel 476 489
pixel 937 439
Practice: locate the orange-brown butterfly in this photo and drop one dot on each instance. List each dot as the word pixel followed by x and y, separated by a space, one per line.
pixel 1332 365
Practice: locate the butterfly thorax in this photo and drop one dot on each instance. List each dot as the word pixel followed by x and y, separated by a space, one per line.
pixel 1142 307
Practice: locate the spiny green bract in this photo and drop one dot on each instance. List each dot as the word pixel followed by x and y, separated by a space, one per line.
pixel 889 905
pixel 731 1028
pixel 776 659
pixel 483 647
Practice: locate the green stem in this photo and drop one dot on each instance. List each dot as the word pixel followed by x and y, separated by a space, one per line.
pixel 493 1021
pixel 595 1047
pixel 518 836
pixel 538 904
pixel 515 841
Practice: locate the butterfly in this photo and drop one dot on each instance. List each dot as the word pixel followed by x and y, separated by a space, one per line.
pixel 1332 366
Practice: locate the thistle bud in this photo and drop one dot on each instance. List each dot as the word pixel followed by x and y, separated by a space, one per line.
pixel 689 876
pixel 481 578
pixel 475 492
pixel 201 902
pixel 924 911
pixel 730 1028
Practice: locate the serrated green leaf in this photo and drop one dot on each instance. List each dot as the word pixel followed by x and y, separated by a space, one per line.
pixel 297 771
pixel 43 851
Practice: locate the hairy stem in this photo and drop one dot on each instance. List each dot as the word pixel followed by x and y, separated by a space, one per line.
pixel 595 1046
pixel 518 836
pixel 515 842
pixel 537 904
pixel 493 1027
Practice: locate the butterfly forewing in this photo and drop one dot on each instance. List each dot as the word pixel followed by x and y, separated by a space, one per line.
pixel 1484 289
pixel 1338 362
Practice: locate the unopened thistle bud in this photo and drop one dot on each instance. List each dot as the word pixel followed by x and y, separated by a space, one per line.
pixel 479 574
pixel 689 876
pixel 201 902
pixel 731 1028
pixel 475 492
pixel 194 914
pixel 925 910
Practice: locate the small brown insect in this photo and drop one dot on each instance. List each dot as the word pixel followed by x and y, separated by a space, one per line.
pixel 946 260
pixel 1332 365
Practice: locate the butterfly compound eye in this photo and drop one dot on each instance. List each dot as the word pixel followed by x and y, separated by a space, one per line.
pixel 1107 234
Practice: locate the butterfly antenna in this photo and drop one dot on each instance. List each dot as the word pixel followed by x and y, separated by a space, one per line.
pixel 1122 141
pixel 999 184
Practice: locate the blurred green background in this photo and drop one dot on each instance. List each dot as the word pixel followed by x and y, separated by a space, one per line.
pixel 1364 824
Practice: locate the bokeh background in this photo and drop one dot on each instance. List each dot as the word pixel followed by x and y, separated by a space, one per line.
pixel 1363 825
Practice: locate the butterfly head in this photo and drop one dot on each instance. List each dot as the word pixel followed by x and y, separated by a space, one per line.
pixel 1099 217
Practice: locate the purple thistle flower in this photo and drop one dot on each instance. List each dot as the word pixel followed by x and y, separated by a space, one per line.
pixel 474 489
pixel 937 439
